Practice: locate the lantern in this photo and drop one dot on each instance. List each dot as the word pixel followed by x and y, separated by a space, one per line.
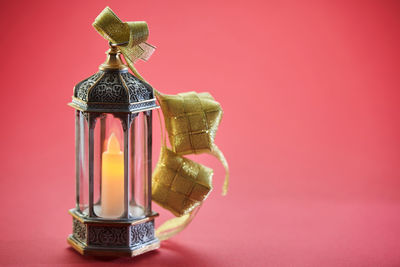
pixel 113 135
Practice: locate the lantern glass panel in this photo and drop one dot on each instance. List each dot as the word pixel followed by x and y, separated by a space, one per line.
pixel 82 134
pixel 139 166
pixel 98 147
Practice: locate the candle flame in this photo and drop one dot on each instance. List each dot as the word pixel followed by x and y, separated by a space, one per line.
pixel 113 144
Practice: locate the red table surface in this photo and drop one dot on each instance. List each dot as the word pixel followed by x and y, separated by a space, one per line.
pixel 310 91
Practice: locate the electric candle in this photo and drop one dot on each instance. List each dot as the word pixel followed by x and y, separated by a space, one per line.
pixel 112 194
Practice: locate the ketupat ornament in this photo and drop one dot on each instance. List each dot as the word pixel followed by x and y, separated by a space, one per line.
pixel 118 222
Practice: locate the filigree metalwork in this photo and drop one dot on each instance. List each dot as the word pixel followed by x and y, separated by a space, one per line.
pixel 138 90
pixel 108 236
pixel 141 233
pixel 79 230
pixel 143 105
pixel 109 90
pixel 82 88
pixel 113 91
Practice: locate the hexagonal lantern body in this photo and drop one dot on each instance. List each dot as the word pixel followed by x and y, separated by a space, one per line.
pixel 113 135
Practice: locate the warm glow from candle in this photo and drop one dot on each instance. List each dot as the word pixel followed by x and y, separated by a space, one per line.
pixel 112 191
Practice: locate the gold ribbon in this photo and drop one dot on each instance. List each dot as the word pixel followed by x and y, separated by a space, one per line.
pixel 130 36
pixel 180 185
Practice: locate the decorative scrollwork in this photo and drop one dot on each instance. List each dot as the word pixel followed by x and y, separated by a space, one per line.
pixel 142 105
pixel 138 90
pixel 79 230
pixel 109 90
pixel 141 233
pixel 112 91
pixel 108 236
pixel 82 88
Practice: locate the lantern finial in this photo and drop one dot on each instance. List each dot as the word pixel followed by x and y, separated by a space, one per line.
pixel 113 61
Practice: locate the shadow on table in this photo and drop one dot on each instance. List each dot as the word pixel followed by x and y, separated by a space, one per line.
pixel 171 253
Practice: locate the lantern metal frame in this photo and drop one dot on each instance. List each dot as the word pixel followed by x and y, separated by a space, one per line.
pixel 113 90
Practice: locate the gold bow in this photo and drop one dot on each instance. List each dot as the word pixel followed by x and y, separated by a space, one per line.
pixel 129 36
pixel 180 185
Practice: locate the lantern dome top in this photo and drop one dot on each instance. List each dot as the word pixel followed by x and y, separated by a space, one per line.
pixel 113 89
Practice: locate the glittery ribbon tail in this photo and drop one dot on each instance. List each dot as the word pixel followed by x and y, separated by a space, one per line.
pixel 175 225
pixel 220 156
pixel 145 50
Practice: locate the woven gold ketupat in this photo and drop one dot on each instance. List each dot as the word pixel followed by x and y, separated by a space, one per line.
pixel 191 120
pixel 180 184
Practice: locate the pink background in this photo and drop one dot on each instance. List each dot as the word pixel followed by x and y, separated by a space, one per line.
pixel 311 129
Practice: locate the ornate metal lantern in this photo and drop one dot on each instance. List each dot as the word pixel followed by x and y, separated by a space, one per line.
pixel 113 131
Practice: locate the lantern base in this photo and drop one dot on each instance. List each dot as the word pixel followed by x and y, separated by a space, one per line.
pixel 111 252
pixel 116 238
